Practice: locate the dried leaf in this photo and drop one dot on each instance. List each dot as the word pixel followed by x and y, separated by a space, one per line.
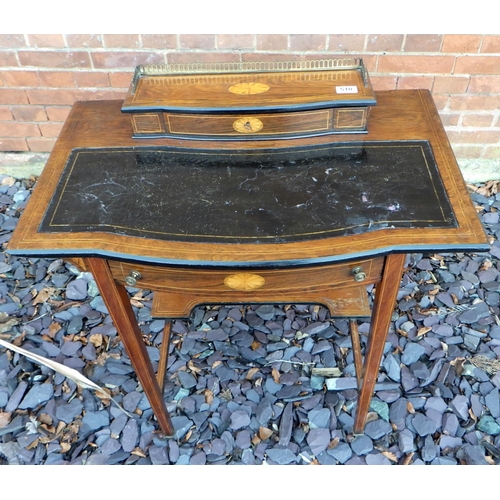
pixel 53 329
pixel 96 339
pixel 137 451
pixel 265 433
pixel 255 345
pixel 422 331
pixel 209 396
pixel 410 408
pixel 391 456
pixel 44 295
pixel 408 459
pixel 70 373
pixel 4 419
pixel 250 374
pixel 276 376
pixel 65 447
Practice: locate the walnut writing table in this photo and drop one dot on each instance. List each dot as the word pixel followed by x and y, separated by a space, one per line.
pixel 305 220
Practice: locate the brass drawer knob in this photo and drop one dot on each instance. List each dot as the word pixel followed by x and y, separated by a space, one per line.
pixel 358 273
pixel 132 278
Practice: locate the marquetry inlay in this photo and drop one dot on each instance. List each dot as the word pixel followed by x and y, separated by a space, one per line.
pixel 248 125
pixel 249 88
pixel 244 281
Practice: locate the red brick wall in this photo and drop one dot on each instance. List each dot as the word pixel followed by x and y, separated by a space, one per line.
pixel 42 75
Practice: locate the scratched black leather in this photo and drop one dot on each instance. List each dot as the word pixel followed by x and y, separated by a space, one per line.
pixel 257 196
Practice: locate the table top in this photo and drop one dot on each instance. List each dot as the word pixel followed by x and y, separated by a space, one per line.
pixel 254 203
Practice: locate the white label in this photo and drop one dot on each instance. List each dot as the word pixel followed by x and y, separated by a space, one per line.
pixel 347 89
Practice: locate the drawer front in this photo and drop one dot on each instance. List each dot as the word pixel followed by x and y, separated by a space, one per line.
pixel 148 123
pixel 350 119
pixel 199 281
pixel 235 125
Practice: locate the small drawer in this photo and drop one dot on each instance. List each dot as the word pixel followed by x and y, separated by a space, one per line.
pixel 238 125
pixel 193 280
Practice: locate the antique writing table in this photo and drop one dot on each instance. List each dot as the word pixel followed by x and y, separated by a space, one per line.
pixel 305 220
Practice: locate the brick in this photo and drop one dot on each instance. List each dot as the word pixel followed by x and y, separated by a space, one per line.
pixel 40 144
pixel 56 79
pixel 477 65
pixel 450 84
pixel 491 44
pixel 461 44
pixel 477 120
pixel 125 59
pixel 307 42
pixel 449 119
pixel 120 79
pixel 90 41
pixel 9 144
pixel 384 82
pixel 415 82
pixel 12 41
pixel 159 41
pixel 415 64
pixel 467 152
pixel 20 78
pixel 52 41
pixel 197 42
pixel 346 43
pixel 121 41
pixel 272 42
pixel 29 113
pixel 5 114
pixel 19 130
pixel 50 129
pixel 7 59
pixel 235 41
pixel 202 57
pixel 484 84
pixel 91 79
pixel 55 96
pixel 441 101
pixel 473 136
pixel 57 113
pixel 384 43
pixel 474 102
pixel 13 96
pixel 423 43
pixel 491 153
pixel 54 59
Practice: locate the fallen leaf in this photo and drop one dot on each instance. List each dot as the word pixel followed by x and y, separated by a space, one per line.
pixel 255 345
pixel 422 331
pixel 410 408
pixel 391 456
pixel 53 329
pixel 209 396
pixel 250 374
pixel 4 419
pixel 276 376
pixel 408 459
pixel 44 295
pixel 265 433
pixel 96 339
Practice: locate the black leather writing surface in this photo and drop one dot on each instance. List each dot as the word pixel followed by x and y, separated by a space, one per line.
pixel 251 196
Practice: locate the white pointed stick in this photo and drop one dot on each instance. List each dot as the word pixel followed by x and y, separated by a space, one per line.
pixel 70 373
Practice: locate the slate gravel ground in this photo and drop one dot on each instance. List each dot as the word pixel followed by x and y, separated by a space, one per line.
pixel 240 385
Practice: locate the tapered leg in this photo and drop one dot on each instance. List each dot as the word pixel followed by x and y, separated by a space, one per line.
pixel 162 365
pixel 356 350
pixel 117 301
pixel 385 299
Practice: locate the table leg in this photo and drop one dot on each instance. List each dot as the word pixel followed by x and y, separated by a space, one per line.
pixel 385 299
pixel 117 301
